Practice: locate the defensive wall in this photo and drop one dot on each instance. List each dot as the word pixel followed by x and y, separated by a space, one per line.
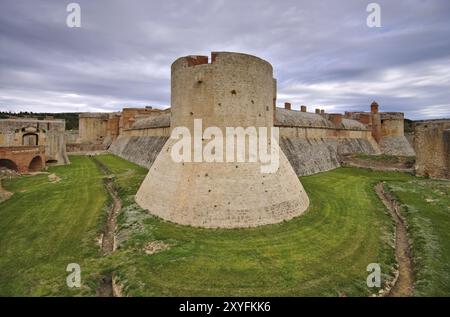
pixel 233 90
pixel 312 141
pixel 23 137
pixel 432 146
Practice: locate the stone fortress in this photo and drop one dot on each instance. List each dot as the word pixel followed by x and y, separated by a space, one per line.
pixel 312 141
pixel 27 145
pixel 232 89
pixel 236 90
pixel 432 141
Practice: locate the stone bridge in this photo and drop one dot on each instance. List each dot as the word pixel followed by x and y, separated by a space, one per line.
pixel 23 159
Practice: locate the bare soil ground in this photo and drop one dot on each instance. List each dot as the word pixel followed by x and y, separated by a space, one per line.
pixel 405 281
pixel 4 194
pixel 108 242
pixel 106 288
pixel 396 164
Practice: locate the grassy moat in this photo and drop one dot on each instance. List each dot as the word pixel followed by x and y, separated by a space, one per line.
pixel 48 224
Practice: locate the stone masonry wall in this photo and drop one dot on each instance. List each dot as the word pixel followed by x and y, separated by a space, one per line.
pixel 432 145
pixel 93 127
pixel 315 155
pixel 47 133
pixel 141 150
pixel 233 90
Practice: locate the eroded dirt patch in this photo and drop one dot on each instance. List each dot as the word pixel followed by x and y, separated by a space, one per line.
pixel 108 242
pixel 155 247
pixel 53 178
pixel 404 283
pixel 4 194
pixel 394 164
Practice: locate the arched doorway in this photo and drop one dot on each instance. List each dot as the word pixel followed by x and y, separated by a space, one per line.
pixel 8 164
pixel 35 164
pixel 30 139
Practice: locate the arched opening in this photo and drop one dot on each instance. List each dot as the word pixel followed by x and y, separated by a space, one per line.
pixel 30 139
pixel 35 164
pixel 5 163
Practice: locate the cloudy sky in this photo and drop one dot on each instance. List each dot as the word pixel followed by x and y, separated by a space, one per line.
pixel 323 52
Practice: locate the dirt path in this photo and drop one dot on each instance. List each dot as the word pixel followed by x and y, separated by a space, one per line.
pixel 4 194
pixel 377 166
pixel 109 237
pixel 106 288
pixel 404 284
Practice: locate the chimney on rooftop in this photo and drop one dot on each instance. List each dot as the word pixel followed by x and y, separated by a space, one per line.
pixel 374 107
pixel 336 118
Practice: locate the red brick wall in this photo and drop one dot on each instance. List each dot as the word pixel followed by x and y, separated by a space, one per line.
pixel 22 155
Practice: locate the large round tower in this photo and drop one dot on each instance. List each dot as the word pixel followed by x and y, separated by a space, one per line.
pixel 234 90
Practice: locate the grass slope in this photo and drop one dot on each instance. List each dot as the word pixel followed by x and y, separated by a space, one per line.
pixel 384 158
pixel 426 207
pixel 324 252
pixel 45 226
pixel 128 176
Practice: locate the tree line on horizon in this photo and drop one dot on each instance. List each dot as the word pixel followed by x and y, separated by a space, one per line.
pixel 71 118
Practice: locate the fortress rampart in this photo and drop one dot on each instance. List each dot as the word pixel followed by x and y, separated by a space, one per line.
pixel 23 159
pixel 233 90
pixel 387 130
pixel 93 127
pixel 97 131
pixel 47 137
pixel 312 142
pixel 432 145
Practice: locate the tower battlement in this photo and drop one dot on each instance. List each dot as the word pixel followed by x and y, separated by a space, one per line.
pixel 234 90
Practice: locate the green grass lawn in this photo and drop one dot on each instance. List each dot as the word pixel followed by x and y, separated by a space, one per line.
pixel 384 158
pixel 44 226
pixel 426 207
pixel 128 176
pixel 326 251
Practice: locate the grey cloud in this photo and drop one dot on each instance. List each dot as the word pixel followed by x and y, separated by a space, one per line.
pixel 322 52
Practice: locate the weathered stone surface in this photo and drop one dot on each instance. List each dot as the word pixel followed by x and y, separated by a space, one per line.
pixel 22 159
pixel 139 150
pixel 292 118
pixel 159 121
pixel 396 145
pixel 234 90
pixel 93 127
pixel 49 134
pixel 356 145
pixel 226 195
pixel 432 145
pixel 310 156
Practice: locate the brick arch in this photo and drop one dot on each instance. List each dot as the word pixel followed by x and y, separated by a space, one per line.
pixel 9 164
pixel 24 158
pixel 36 164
